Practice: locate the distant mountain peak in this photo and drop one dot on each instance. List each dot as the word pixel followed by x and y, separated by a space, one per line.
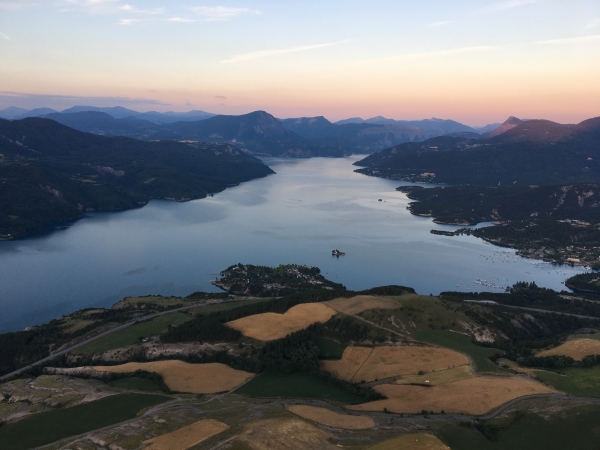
pixel 508 124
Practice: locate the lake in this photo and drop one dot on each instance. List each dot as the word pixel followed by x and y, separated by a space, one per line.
pixel 299 215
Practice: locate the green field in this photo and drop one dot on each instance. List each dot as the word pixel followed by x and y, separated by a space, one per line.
pixel 136 383
pixel 575 381
pixel 462 343
pixel 46 427
pixel 329 349
pixel 209 309
pixel 576 428
pixel 132 335
pixel 297 385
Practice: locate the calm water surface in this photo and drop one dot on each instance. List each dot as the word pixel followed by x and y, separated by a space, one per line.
pixel 296 216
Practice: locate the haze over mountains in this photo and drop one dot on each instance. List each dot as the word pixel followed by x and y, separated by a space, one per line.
pixel 259 132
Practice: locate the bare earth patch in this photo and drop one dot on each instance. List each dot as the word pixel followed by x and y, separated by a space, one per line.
pixel 474 396
pixel 330 418
pixel 270 326
pixel 285 434
pixel 386 362
pixel 420 441
pixel 576 349
pixel 440 377
pixel 361 303
pixel 187 437
pixel 352 360
pixel 183 377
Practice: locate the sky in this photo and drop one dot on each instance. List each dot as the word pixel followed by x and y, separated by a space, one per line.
pixel 477 62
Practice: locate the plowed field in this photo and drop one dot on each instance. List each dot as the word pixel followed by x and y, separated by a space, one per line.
pixel 270 326
pixel 187 437
pixel 352 360
pixel 361 363
pixel 183 377
pixel 331 418
pixel 474 396
pixel 576 349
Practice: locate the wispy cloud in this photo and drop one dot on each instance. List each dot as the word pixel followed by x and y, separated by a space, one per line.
pixel 5 36
pixel 180 20
pixel 435 54
pixel 266 53
pixel 220 12
pixel 573 40
pixel 26 100
pixel 503 6
pixel 593 23
pixel 129 21
pixel 134 10
pixel 220 97
pixel 440 23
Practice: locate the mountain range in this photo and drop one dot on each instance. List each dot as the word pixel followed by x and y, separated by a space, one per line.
pixel 524 152
pixel 258 132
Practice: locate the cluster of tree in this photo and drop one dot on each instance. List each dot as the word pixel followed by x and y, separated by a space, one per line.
pixel 20 348
pixel 585 282
pixel 210 328
pixel 56 173
pixel 474 204
pixel 264 281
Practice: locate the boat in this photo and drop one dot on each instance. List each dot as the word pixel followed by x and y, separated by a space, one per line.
pixel 336 252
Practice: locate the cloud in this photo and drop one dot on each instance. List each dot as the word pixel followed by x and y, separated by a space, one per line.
pixel 30 101
pixel 133 10
pixel 188 103
pixel 220 97
pixel 129 21
pixel 266 53
pixel 593 23
pixel 503 6
pixel 4 36
pixel 573 40
pixel 180 20
pixel 440 23
pixel 439 53
pixel 220 12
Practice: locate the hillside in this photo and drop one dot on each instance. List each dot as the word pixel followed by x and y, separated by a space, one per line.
pixel 51 173
pixel 536 152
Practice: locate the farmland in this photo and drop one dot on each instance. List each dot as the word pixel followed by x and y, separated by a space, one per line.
pixel 283 434
pixel 555 427
pixel 440 377
pixel 46 427
pixel 366 364
pixel 420 441
pixel 183 377
pixel 475 396
pixel 133 335
pixel 360 303
pixel 270 326
pixel 461 343
pixel 297 385
pixel 188 436
pixel 579 381
pixel 576 349
pixel 331 418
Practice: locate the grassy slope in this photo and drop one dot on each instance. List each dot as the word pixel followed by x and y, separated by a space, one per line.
pixel 573 429
pixel 47 427
pixel 575 381
pixel 136 383
pixel 297 385
pixel 461 343
pixel 131 335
